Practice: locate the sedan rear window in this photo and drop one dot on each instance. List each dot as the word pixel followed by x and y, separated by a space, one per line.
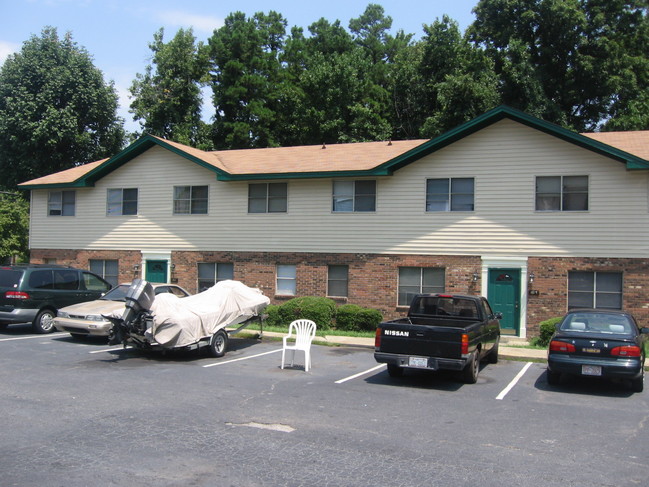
pixel 598 322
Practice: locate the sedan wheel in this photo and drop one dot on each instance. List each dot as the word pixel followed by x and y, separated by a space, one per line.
pixel 638 384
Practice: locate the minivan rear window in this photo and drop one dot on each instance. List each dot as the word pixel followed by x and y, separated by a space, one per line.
pixel 10 277
pixel 41 280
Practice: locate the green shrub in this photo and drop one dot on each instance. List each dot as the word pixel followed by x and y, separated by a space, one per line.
pixel 368 319
pixel 351 317
pixel 274 318
pixel 320 310
pixel 346 317
pixel 546 330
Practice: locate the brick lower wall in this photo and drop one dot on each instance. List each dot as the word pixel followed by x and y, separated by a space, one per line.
pixel 373 278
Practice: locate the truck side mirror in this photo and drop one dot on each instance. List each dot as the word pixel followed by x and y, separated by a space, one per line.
pixel 498 315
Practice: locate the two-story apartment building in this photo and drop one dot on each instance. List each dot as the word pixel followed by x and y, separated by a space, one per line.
pixel 533 216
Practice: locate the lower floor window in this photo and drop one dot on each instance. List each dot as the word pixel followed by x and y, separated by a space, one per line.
pixel 337 280
pixel 209 273
pixel 286 280
pixel 595 290
pixel 108 269
pixel 417 280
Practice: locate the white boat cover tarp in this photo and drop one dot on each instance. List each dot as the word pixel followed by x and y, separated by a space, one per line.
pixel 178 322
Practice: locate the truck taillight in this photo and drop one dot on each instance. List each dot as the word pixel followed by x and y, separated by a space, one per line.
pixel 465 344
pixel 626 351
pixel 559 346
pixel 16 295
pixel 377 338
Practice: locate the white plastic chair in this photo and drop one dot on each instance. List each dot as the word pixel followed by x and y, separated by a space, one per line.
pixel 303 331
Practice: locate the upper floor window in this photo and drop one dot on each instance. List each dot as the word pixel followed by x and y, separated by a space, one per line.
pixel 417 280
pixel 267 198
pixel 594 290
pixel 562 193
pixel 190 200
pixel 209 273
pixel 351 196
pixel 122 202
pixel 337 280
pixel 61 203
pixel 450 194
pixel 108 269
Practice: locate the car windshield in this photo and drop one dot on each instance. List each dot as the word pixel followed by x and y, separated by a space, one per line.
pixel 599 323
pixel 117 293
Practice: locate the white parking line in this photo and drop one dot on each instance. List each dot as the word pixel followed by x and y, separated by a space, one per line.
pixel 109 349
pixel 511 385
pixel 360 373
pixel 32 336
pixel 242 358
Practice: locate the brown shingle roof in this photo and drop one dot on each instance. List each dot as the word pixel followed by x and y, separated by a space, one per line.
pixel 634 142
pixel 280 160
pixel 66 176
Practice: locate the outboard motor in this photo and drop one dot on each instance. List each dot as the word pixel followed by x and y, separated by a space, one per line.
pixel 139 298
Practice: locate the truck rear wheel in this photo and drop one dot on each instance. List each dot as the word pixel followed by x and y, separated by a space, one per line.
pixel 394 370
pixel 470 372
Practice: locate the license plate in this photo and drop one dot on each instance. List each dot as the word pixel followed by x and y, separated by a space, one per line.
pixel 591 370
pixel 591 350
pixel 418 362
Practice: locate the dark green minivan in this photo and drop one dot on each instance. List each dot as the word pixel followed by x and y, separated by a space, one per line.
pixel 34 292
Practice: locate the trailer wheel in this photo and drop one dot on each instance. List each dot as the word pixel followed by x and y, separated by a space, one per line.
pixel 219 344
pixel 470 372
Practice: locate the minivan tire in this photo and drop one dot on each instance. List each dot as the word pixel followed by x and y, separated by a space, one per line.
pixel 44 321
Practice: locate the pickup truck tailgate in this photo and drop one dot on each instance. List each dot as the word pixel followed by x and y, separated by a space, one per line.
pixel 425 341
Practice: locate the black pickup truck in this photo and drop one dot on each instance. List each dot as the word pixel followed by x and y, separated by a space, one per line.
pixel 441 331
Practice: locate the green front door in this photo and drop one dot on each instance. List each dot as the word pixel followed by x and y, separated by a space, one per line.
pixel 156 271
pixel 504 296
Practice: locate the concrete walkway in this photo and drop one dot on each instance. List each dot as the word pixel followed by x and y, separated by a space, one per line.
pixel 504 350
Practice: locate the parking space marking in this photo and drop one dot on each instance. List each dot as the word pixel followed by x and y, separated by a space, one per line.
pixel 511 385
pixel 380 366
pixel 32 336
pixel 110 349
pixel 242 358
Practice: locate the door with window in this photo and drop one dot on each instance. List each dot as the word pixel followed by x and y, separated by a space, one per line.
pixel 156 271
pixel 504 295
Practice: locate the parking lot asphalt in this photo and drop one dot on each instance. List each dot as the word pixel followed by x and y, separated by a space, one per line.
pixel 79 412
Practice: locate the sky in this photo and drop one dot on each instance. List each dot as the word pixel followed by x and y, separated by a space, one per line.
pixel 117 33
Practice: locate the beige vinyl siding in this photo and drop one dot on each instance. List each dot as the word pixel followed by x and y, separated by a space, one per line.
pixel 504 159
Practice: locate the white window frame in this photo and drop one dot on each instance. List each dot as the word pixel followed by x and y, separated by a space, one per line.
pixel 56 203
pixel 346 190
pixel 268 198
pixel 116 208
pixel 286 276
pixel 192 200
pixel 452 195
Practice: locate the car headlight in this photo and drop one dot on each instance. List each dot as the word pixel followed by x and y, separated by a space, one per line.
pixel 63 314
pixel 95 318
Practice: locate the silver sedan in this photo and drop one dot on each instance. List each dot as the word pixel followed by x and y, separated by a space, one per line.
pixel 85 319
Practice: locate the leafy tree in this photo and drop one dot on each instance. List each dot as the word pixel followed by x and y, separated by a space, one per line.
pixel 572 62
pixel 55 109
pixel 167 97
pixel 247 80
pixel 14 228
pixel 458 79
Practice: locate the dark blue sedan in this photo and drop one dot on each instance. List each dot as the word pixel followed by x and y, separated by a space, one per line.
pixel 598 343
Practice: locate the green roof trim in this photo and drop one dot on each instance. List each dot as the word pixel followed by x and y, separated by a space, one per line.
pixel 137 148
pixel 499 113
pixel 385 169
